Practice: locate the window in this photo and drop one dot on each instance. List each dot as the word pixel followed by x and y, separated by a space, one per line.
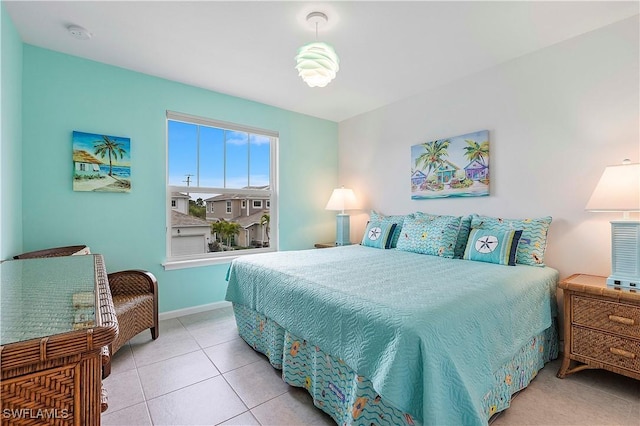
pixel 173 203
pixel 216 162
pixel 268 204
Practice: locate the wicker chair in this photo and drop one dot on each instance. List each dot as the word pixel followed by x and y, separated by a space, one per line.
pixel 135 299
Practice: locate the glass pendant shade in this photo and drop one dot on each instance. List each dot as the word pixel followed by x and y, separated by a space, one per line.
pixel 317 64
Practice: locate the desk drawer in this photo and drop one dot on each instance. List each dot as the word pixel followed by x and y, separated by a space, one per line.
pixel 44 397
pixel 613 350
pixel 618 318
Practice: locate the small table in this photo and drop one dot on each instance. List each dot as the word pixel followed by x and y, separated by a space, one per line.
pixel 329 245
pixel 601 326
pixel 57 316
pixel 324 245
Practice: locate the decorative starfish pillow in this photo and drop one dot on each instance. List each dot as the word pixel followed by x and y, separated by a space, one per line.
pixel 378 234
pixel 493 246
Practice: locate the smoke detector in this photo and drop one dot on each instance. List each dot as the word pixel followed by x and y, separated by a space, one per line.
pixel 79 32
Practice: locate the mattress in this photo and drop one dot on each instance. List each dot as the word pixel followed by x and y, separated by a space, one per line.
pixel 428 333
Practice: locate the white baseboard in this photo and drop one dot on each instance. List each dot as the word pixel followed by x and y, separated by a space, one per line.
pixel 193 310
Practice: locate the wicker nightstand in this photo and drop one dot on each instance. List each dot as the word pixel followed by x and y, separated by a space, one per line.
pixel 602 326
pixel 324 245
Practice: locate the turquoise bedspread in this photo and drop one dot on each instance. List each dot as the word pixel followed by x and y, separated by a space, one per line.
pixel 427 332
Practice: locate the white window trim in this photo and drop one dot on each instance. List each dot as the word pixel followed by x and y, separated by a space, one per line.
pixel 207 259
pixel 253 204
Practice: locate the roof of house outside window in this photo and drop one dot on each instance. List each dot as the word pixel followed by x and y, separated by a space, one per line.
pixel 185 220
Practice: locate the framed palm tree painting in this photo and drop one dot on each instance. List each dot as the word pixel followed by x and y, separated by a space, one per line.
pixel 453 167
pixel 101 163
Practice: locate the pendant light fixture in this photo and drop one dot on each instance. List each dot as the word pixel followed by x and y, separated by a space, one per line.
pixel 317 62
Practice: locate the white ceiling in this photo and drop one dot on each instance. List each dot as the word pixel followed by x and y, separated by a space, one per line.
pixel 388 50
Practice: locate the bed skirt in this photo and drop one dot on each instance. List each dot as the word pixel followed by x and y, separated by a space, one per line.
pixel 349 398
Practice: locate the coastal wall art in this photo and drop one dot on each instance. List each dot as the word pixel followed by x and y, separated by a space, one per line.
pixel 101 163
pixel 452 167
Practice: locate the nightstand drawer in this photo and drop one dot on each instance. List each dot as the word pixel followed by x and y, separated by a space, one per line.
pixel 603 347
pixel 614 317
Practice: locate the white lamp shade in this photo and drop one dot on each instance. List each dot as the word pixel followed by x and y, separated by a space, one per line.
pixel 342 199
pixel 618 190
pixel 317 64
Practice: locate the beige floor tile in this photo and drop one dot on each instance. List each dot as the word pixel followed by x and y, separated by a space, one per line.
pixel 549 400
pixel 231 355
pixel 136 415
pixel 205 318
pixel 205 403
pixel 244 419
pixel 291 408
pixel 615 384
pixel 215 333
pixel 167 328
pixel 175 373
pixel 177 342
pixel 122 360
pixel 257 382
pixel 124 390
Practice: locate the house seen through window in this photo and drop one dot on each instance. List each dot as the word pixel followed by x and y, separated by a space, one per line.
pixel 221 181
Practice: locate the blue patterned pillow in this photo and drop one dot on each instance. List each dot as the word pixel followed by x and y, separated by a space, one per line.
pixel 378 235
pixel 463 234
pixel 398 220
pixel 434 235
pixel 493 246
pixel 533 241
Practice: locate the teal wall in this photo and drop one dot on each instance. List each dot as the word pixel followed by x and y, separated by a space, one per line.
pixel 62 93
pixel 11 137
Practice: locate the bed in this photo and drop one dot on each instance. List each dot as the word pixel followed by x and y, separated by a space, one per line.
pixel 395 337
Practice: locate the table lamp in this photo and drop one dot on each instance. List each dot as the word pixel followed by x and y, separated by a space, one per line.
pixel 619 191
pixel 342 199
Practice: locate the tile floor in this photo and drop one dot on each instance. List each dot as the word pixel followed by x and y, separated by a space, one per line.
pixel 199 372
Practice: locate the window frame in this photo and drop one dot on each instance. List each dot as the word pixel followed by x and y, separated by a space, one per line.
pixel 187 261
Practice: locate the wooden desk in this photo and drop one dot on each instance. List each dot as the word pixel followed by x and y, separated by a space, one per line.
pixel 57 315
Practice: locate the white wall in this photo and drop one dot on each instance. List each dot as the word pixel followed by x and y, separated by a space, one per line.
pixel 556 118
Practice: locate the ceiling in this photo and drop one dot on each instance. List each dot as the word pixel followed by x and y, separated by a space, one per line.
pixel 388 50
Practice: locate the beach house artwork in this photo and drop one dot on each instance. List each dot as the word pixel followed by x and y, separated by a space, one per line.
pixel 101 162
pixel 452 167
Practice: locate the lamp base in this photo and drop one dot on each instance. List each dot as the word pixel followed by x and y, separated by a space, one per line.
pixel 342 230
pixel 622 282
pixel 625 254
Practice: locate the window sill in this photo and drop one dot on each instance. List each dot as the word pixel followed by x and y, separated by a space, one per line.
pixel 173 264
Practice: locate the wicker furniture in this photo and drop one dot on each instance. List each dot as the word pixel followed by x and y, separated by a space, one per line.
pixel 602 326
pixel 324 245
pixel 135 298
pixel 57 316
pixel 51 252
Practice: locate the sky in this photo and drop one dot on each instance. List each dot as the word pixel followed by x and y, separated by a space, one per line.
pixel 86 142
pixel 247 157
